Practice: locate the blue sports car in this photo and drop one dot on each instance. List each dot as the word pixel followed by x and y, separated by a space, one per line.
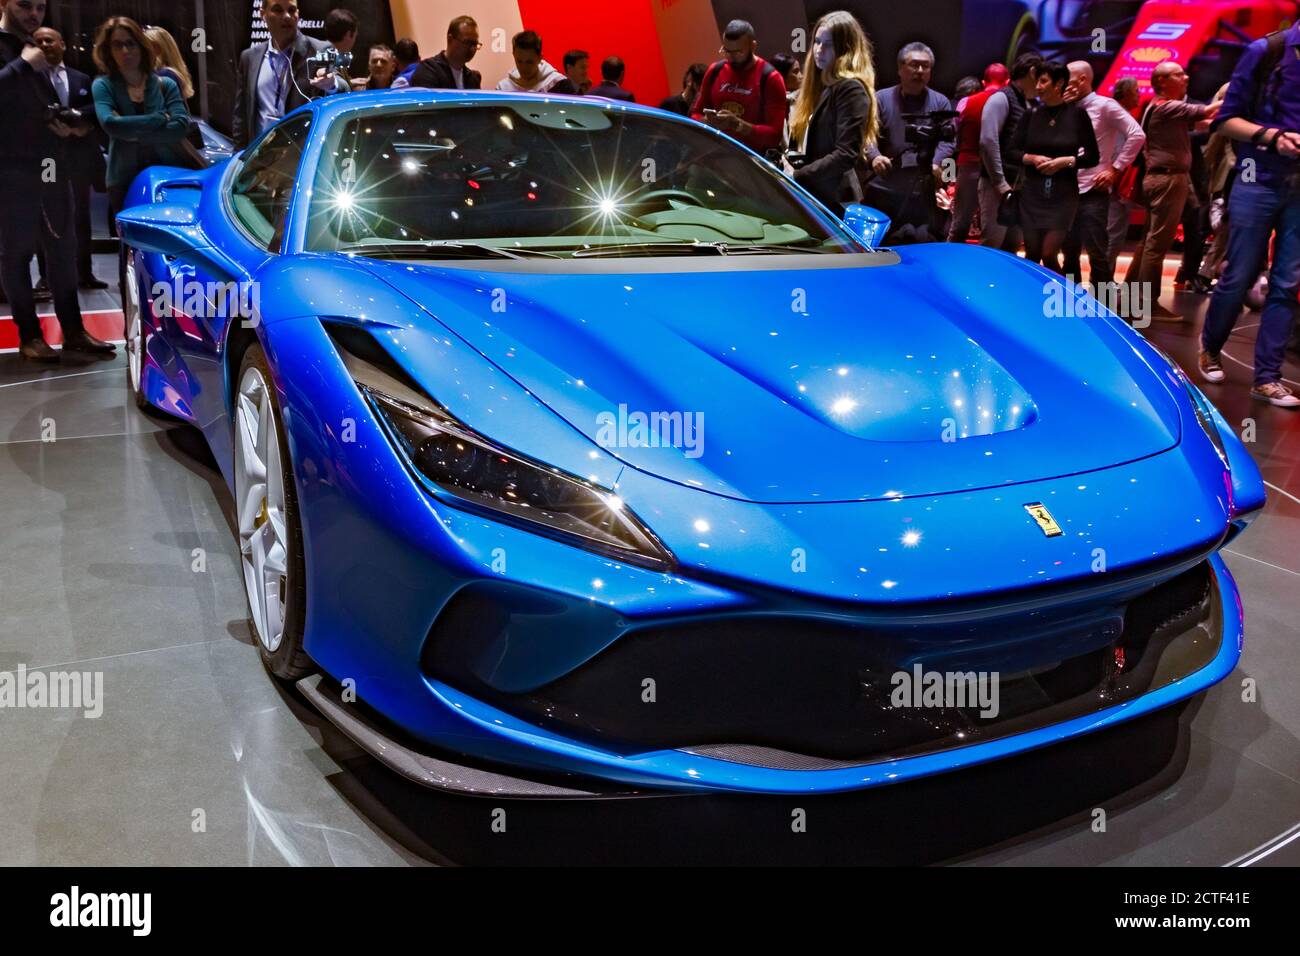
pixel 578 452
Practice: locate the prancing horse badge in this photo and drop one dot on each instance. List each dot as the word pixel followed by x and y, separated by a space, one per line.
pixel 1038 511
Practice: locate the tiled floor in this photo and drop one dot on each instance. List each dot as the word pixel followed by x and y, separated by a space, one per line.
pixel 201 758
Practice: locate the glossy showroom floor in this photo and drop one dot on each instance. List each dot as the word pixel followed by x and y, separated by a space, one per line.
pixel 96 548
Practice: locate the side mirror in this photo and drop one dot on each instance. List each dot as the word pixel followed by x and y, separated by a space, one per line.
pixel 162 228
pixel 868 224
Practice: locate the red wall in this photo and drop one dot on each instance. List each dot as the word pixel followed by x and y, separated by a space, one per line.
pixel 604 28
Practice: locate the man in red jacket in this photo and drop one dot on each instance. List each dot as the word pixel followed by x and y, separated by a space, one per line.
pixel 743 95
pixel 969 164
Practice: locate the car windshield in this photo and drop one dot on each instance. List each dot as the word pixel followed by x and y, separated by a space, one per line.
pixel 555 179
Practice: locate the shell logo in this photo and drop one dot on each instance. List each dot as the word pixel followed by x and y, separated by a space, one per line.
pixel 1150 54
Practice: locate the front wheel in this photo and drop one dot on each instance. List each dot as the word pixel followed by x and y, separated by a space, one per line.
pixel 270 537
pixel 133 318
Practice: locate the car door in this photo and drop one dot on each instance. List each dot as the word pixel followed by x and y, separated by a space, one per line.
pixel 224 286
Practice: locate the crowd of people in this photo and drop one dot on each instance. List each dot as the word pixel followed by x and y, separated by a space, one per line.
pixel 1031 155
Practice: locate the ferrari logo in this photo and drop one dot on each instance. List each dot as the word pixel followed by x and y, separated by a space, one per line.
pixel 1046 522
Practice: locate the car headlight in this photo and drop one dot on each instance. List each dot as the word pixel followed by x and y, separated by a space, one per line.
pixel 1204 410
pixel 481 473
pixel 455 461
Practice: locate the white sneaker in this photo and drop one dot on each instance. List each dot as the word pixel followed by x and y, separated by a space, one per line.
pixel 1210 368
pixel 1275 393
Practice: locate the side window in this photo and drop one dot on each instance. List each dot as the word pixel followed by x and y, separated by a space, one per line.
pixel 262 189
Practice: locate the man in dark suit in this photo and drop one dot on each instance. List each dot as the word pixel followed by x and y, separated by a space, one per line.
pixel 36 205
pixel 273 78
pixel 449 70
pixel 85 156
pixel 611 72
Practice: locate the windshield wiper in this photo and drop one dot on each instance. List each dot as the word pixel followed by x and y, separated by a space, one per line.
pixel 685 247
pixel 652 248
pixel 439 249
pixel 741 249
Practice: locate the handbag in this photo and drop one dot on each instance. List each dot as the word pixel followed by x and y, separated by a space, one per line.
pixel 1009 204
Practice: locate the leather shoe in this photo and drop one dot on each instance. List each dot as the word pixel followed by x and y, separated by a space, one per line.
pixel 36 350
pixel 41 292
pixel 92 282
pixel 89 345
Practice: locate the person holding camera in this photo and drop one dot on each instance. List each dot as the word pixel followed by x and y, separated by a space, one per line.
pixel 279 75
pixel 85 156
pixel 1261 112
pixel 142 112
pixel 36 201
pixel 834 116
pixel 1051 143
pixel 917 134
pixel 341 29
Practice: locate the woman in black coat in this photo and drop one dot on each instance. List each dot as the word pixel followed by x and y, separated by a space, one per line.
pixel 834 116
pixel 1052 142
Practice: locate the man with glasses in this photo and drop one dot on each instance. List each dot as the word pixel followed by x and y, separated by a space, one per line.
pixel 743 95
pixel 449 70
pixel 36 202
pixel 273 77
pixel 1168 122
pixel 908 169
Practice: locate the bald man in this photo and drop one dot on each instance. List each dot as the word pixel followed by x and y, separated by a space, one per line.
pixel 1119 140
pixel 1168 121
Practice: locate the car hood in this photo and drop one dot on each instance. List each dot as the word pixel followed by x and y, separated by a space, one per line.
pixel 929 370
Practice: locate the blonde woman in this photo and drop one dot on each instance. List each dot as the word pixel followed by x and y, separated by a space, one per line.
pixel 169 60
pixel 834 116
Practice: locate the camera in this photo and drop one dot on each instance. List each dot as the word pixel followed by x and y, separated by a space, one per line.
pixel 57 112
pixel 330 60
pixel 927 130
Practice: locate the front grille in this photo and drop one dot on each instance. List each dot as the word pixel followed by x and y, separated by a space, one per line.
pixel 803 693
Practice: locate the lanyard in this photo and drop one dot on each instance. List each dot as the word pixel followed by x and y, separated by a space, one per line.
pixel 280 74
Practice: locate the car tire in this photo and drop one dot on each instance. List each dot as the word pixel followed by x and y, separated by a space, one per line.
pixel 266 520
pixel 133 322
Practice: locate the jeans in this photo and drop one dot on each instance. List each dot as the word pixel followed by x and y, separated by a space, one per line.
pixel 965 203
pixel 34 213
pixel 1090 233
pixel 1256 211
pixel 1120 214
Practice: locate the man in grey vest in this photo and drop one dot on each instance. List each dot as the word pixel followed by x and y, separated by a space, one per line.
pixel 1001 114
